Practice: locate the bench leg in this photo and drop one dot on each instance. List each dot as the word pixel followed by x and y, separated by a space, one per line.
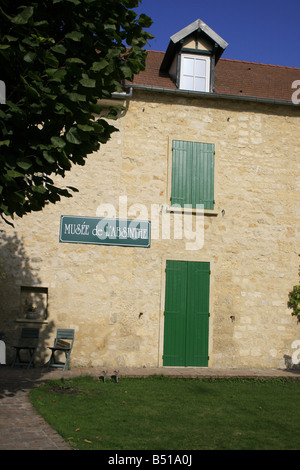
pixel 57 364
pixel 18 361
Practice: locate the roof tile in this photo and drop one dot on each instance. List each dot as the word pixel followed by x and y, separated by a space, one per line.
pixel 232 77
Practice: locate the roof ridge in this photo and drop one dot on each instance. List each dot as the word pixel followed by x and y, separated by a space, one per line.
pixel 259 63
pixel 241 61
pixel 151 50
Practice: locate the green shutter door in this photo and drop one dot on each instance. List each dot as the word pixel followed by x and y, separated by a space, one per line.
pixel 186 314
pixel 197 314
pixel 193 174
pixel 175 313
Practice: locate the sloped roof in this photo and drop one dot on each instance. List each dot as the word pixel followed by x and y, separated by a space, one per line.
pixel 232 77
pixel 196 26
pixel 199 25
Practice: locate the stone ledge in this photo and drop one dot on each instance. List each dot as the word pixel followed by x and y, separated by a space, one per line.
pixel 187 210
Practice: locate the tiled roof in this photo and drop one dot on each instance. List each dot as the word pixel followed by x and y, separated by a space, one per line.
pixel 232 77
pixel 236 77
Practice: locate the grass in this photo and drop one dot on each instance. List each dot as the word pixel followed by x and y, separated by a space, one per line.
pixel 162 413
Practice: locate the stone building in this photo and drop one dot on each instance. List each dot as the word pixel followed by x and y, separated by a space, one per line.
pixel 181 246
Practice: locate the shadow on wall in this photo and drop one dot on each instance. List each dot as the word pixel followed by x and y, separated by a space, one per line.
pixel 23 298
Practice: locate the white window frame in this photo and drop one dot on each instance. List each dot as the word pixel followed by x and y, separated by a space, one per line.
pixel 207 76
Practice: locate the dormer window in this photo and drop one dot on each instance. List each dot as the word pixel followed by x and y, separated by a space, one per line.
pixel 195 72
pixel 191 57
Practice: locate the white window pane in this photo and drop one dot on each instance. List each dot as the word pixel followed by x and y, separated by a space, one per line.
pixel 200 84
pixel 187 83
pixel 200 68
pixel 188 66
pixel 195 73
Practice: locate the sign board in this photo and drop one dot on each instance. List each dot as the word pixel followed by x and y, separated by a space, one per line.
pixel 105 231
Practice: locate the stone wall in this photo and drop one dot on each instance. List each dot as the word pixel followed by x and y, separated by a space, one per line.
pixel 114 296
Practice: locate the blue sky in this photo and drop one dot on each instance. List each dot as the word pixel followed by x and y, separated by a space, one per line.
pixel 266 31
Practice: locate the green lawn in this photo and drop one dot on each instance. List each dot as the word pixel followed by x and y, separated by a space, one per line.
pixel 161 413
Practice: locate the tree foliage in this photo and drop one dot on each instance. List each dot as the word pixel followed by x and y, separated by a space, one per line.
pixel 57 59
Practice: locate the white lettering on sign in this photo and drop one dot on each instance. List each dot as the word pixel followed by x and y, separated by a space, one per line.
pixel 94 230
pixel 77 229
pixel 111 231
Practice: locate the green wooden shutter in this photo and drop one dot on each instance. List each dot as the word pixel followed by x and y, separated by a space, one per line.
pixel 193 174
pixel 197 324
pixel 186 314
pixel 175 314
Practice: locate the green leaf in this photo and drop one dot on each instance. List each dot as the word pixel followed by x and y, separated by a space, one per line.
pixel 38 189
pixel 31 92
pixel 4 142
pixel 24 165
pixel 64 161
pixel 42 23
pixel 75 36
pixel 110 27
pixel 97 66
pixel 96 108
pixel 29 57
pixel 58 142
pixel 47 156
pixel 72 136
pixel 59 48
pixel 85 127
pixel 13 107
pixel 23 17
pixel 76 97
pixel 127 71
pixel 56 75
pixel 10 38
pixel 14 174
pixel 75 60
pixel 60 108
pixel 87 82
pixel 51 97
pixel 145 21
pixel 50 59
pixel 17 197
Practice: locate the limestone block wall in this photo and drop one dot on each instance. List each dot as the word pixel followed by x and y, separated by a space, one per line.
pixel 114 296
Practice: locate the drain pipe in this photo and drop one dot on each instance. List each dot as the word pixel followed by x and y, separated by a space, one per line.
pixel 122 95
pixel 116 96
